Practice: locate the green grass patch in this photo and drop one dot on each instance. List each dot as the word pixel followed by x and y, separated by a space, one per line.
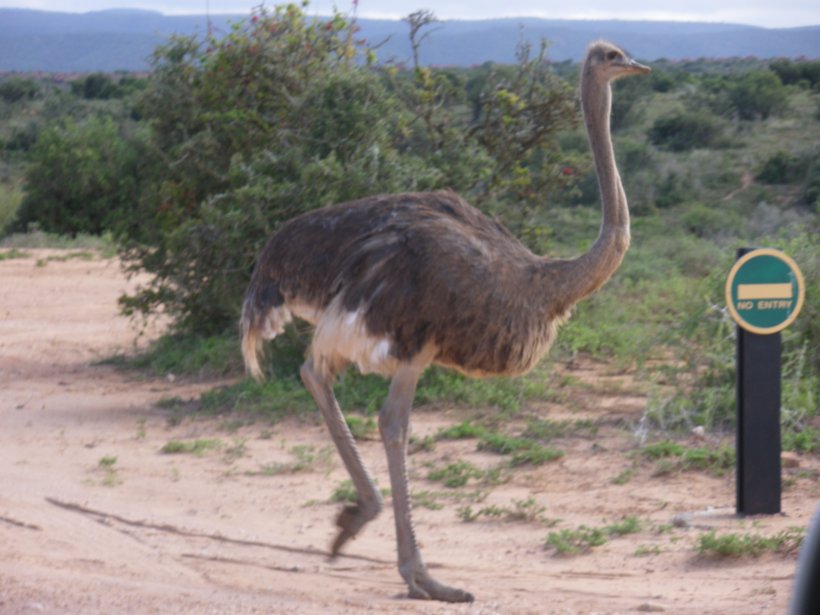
pixel 624 477
pixel 507 394
pixel 7 255
pixel 547 429
pixel 628 525
pixel 735 545
pixel 111 476
pixel 461 431
pixel 104 244
pixel 83 255
pixel 431 500
pixel 583 538
pixel 807 440
pixel 521 510
pixel 646 550
pixel 455 474
pixel 346 493
pixel 665 448
pixel 188 356
pixel 573 542
pixel 523 450
pixel 107 462
pixel 11 195
pixel 191 447
pixel 673 457
pixel 272 399
pixel 362 428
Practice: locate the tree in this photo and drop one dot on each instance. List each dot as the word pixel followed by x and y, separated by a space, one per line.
pixel 249 130
pixel 16 89
pixel 757 95
pixel 96 86
pixel 286 114
pixel 682 131
pixel 81 178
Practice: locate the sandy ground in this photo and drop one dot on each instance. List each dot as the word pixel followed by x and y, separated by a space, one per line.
pixel 226 532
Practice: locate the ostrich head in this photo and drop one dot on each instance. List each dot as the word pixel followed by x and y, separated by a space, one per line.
pixel 605 63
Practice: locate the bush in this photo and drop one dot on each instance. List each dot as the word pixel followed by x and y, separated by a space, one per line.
pixel 80 179
pixel 708 222
pixel 284 115
pixel 17 88
pixel 96 86
pixel 11 195
pixel 782 168
pixel 757 95
pixel 23 137
pixel 796 73
pixel 811 188
pixel 684 131
pixel 704 341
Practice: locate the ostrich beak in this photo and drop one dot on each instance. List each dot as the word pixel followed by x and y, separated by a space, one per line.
pixel 637 68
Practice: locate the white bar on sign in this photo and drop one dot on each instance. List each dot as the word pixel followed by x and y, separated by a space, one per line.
pixel 764 291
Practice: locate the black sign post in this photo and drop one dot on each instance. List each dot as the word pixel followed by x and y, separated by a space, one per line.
pixel 758 423
pixel 764 294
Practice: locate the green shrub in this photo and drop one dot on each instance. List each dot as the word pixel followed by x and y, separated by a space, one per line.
pixel 757 95
pixel 15 89
pixel 707 221
pixel 684 131
pixel 782 168
pixel 82 177
pixel 190 356
pixel 96 86
pixel 750 545
pixel 704 379
pixel 811 187
pixel 583 539
pixel 523 450
pixel 285 114
pixel 11 195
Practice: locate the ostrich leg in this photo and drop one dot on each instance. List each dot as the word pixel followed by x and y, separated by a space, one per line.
pixel 369 503
pixel 393 421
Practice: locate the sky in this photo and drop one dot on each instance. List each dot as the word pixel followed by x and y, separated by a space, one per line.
pixel 765 13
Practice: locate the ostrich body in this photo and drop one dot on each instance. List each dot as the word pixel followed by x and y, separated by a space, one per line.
pixel 394 283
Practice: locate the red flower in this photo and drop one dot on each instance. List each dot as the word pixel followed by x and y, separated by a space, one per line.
pixel 568 171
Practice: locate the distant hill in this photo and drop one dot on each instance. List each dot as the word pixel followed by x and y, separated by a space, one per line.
pixel 124 39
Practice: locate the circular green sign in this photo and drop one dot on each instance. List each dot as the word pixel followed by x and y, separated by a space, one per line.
pixel 764 291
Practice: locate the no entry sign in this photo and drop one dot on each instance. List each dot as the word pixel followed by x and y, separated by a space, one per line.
pixel 764 291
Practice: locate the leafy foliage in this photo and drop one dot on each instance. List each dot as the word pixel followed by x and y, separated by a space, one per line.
pixel 683 131
pixel 749 545
pixel 82 178
pixel 584 538
pixel 16 89
pixel 757 95
pixel 284 115
pixel 797 73
pixel 704 381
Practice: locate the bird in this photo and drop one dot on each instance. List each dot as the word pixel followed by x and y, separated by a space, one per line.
pixel 394 283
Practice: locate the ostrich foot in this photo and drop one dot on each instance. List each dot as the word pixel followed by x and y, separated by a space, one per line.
pixel 424 587
pixel 350 521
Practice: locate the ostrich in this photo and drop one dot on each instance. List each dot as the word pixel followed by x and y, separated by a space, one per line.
pixel 394 283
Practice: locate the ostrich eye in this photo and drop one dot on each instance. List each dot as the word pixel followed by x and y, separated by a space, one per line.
pixel 612 55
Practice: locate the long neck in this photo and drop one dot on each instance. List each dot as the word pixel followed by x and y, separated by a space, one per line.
pixel 587 273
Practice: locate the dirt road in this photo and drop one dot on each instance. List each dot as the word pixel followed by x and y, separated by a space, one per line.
pixel 94 518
